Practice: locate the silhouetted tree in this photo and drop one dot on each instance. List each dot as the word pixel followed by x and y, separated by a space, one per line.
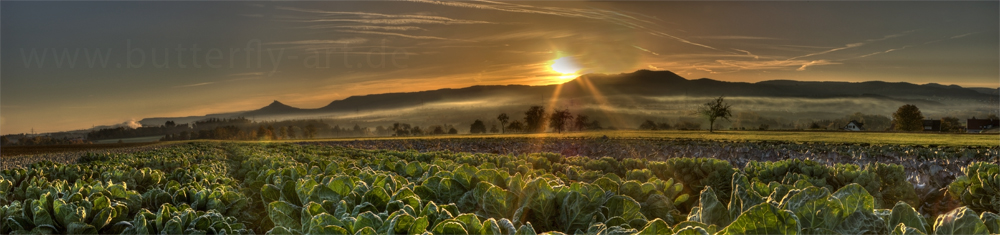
pixel 291 132
pixel 580 123
pixel 595 125
pixel 559 119
pixel 4 140
pixel 951 124
pixel 494 129
pixel 516 126
pixel 714 110
pixel 534 119
pixel 416 131
pixel 477 127
pixel 503 118
pixel 648 125
pixel 310 131
pixel 452 131
pixel 169 124
pixel 908 118
pixel 401 129
pixel 438 130
pixel 262 133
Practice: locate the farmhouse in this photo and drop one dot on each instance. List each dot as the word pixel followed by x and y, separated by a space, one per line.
pixel 979 125
pixel 932 125
pixel 854 126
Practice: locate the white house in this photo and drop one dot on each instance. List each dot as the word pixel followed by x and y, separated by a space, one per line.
pixel 854 126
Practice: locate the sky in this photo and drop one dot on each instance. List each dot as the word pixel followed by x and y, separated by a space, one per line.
pixel 74 65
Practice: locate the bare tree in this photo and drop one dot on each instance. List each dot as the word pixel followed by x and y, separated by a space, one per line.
pixel 503 118
pixel 559 119
pixel 714 110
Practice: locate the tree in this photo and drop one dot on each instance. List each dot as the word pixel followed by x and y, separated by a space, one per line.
pixel 270 130
pixel 648 125
pixel 581 122
pixel 401 129
pixel 908 118
pixel 516 126
pixel 291 132
pixel 438 130
pixel 310 131
pixel 477 127
pixel 452 131
pixel 494 129
pixel 559 119
pixel 714 110
pixel 262 133
pixel 534 118
pixel 503 118
pixel 4 140
pixel 416 131
pixel 951 124
pixel 283 132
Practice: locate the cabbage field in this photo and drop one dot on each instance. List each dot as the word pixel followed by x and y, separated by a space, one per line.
pixel 359 187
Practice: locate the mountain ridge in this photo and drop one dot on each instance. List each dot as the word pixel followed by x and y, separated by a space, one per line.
pixel 639 83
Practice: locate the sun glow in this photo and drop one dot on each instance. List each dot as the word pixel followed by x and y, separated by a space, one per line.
pixel 565 66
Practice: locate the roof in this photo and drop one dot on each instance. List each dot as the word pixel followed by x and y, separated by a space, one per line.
pixel 978 124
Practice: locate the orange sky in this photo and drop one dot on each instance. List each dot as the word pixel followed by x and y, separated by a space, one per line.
pixel 196 58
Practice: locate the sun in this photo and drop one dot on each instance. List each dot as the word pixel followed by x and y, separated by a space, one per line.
pixel 565 65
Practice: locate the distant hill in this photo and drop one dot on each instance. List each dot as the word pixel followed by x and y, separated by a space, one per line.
pixel 642 83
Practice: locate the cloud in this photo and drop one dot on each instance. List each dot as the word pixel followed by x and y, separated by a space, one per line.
pixel 194 85
pixel 398 35
pixel 748 53
pixel 735 37
pixel 963 35
pixel 524 35
pixel 853 45
pixel 595 14
pixel 771 64
pixel 365 27
pixel 247 74
pixel 315 42
pixel 379 18
pixel 815 62
pixel 644 49
pixel 908 46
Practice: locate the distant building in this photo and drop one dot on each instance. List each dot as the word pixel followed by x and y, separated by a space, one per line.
pixel 854 126
pixel 978 125
pixel 932 125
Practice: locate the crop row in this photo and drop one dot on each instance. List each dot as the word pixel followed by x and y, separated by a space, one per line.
pixel 229 188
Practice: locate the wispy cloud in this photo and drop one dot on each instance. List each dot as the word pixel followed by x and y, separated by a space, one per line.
pixel 194 85
pixel 772 64
pixel 379 18
pixel 246 74
pixel 365 27
pixel 613 17
pixel 735 37
pixel 644 49
pixel 748 53
pixel 908 46
pixel 853 45
pixel 315 42
pixel 399 35
pixel 524 35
